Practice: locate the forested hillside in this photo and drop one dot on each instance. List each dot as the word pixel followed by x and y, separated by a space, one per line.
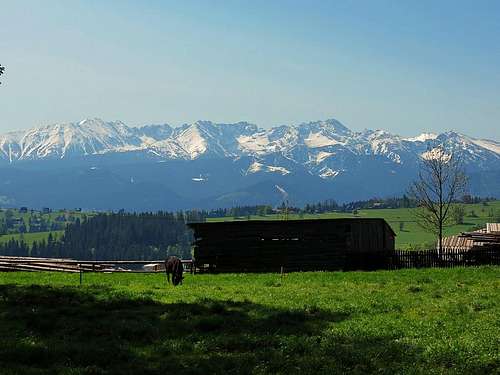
pixel 112 237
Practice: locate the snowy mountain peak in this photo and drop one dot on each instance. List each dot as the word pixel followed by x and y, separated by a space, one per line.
pixel 422 137
pixel 310 161
pixel 319 146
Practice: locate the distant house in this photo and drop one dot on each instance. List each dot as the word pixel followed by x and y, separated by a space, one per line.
pixel 299 245
pixel 46 210
pixel 488 237
pixel 17 221
pixel 23 210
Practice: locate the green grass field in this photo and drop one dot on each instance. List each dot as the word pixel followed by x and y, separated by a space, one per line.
pixel 427 321
pixel 29 238
pixel 412 235
pixel 48 216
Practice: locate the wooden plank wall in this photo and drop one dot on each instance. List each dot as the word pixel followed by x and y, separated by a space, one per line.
pixel 297 245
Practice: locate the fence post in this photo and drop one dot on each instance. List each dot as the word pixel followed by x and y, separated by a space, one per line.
pixel 81 273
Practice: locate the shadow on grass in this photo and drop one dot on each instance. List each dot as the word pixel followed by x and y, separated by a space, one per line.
pixel 45 330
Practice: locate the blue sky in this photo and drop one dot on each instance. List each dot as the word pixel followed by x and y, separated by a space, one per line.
pixel 404 66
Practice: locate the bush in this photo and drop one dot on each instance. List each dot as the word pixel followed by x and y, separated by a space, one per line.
pixel 458 214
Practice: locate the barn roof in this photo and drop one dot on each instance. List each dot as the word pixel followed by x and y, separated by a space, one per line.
pixel 234 225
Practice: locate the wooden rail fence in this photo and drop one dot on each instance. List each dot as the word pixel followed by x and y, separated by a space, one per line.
pixel 338 260
pixel 8 263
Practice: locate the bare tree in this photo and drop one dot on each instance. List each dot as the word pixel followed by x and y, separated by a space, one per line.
pixel 2 69
pixel 440 182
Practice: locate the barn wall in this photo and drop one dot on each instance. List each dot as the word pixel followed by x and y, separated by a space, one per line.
pixel 295 244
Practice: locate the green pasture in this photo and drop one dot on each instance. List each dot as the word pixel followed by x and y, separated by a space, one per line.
pixel 412 235
pixel 29 238
pixel 427 321
pixel 48 216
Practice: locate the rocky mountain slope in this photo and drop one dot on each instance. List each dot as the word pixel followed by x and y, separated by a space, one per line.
pixel 208 164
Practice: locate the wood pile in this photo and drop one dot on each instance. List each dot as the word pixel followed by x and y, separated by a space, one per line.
pixel 8 263
pixel 488 237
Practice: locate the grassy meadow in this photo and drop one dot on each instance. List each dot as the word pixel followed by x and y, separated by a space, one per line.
pixel 29 238
pixel 427 321
pixel 412 235
pixel 49 216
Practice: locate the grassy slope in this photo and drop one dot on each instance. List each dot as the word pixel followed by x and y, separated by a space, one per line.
pixel 410 321
pixel 29 238
pixel 51 215
pixel 413 234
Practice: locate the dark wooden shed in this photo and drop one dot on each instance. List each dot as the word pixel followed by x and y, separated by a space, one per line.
pixel 296 245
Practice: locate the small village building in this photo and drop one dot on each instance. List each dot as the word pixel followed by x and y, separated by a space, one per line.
pixel 294 245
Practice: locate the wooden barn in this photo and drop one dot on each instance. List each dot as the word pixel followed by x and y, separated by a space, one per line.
pixel 295 245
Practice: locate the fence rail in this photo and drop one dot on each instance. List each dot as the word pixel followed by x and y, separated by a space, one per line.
pixel 8 263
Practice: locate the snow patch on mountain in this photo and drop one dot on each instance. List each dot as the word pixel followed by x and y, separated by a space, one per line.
pixel 256 167
pixel 328 173
pixel 488 144
pixel 322 155
pixel 257 143
pixel 192 142
pixel 422 137
pixel 436 153
pixel 316 140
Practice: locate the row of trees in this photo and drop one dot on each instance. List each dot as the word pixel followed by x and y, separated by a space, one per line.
pixel 145 236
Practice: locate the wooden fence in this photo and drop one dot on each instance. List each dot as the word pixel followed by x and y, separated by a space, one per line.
pixel 352 261
pixel 402 259
pixel 9 263
pixel 338 260
pixel 449 258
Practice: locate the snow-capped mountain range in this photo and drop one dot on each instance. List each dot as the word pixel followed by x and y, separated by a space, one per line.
pixel 314 145
pixel 324 151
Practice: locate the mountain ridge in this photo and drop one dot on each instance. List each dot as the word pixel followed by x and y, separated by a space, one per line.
pixel 209 164
pixel 190 141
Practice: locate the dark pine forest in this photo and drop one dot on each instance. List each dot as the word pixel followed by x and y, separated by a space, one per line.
pixel 143 236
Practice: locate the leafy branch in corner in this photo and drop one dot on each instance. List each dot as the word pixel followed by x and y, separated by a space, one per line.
pixel 2 69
